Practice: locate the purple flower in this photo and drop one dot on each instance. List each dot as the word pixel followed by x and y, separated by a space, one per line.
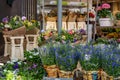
pixel 24 18
pixel 29 68
pixel 16 65
pixel 5 20
pixel 82 31
pixel 34 66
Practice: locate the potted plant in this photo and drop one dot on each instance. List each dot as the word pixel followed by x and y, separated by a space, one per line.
pixel 47 54
pixel 13 26
pixel 118 18
pixel 66 60
pixel 105 15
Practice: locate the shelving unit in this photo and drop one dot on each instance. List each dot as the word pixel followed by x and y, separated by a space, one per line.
pixel 45 4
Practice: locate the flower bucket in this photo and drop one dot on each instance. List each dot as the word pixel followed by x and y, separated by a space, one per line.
pixel 51 71
pixel 104 22
pixel 65 74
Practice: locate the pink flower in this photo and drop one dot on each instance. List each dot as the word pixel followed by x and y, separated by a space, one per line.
pixel 99 8
pixel 105 6
pixel 71 32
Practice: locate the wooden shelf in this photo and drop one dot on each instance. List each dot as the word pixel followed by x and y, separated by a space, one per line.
pixel 64 6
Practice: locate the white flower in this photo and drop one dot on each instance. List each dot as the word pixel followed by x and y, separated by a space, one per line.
pixel 42 31
pixel 25 63
pixel 19 63
pixel 14 60
pixel 24 18
pixel 87 57
pixel 7 26
pixel 36 53
pixel 1 64
pixel 5 70
pixel 30 57
pixel 8 62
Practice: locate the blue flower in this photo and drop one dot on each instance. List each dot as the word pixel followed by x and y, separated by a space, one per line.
pixel 16 66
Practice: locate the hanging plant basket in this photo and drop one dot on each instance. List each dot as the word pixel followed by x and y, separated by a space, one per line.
pixel 105 22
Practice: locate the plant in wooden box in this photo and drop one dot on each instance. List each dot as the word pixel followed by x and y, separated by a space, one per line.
pixel 32 27
pixel 118 18
pixel 14 24
pixel 66 60
pixel 105 15
pixel 47 54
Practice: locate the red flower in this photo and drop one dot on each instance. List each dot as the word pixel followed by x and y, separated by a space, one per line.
pixel 91 15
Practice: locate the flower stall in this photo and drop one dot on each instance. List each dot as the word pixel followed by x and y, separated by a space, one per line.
pixel 46 55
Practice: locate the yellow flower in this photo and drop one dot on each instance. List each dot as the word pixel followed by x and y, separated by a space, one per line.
pixel 33 21
pixel 29 24
pixel 63 37
pixel 19 78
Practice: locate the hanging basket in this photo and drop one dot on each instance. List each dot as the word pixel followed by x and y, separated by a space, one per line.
pixel 104 22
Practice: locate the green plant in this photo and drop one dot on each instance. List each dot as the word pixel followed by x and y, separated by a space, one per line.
pixel 65 57
pixel 103 11
pixel 12 22
pixel 117 15
pixel 47 54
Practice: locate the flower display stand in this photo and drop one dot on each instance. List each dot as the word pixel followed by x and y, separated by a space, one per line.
pixel 31 41
pixel 81 25
pixel 51 25
pixel 72 25
pixel 64 25
pixel 7 49
pixel 17 47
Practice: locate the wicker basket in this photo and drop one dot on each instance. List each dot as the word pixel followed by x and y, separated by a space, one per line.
pixel 72 17
pixel 65 74
pixel 33 31
pixel 52 19
pixel 52 71
pixel 16 32
pixel 79 19
pixel 64 18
